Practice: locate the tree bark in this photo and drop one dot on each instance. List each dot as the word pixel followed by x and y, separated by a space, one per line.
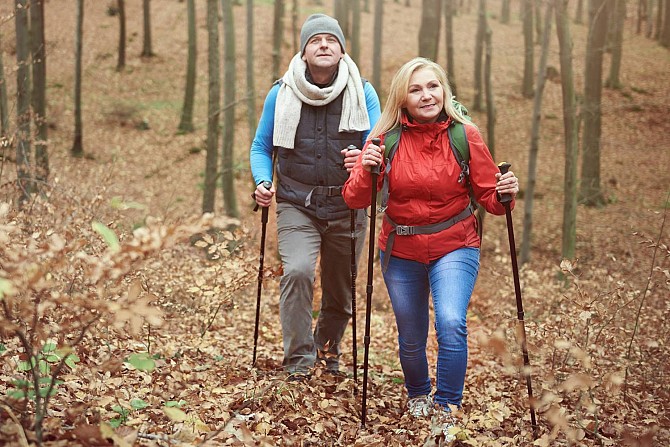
pixel 429 30
pixel 23 147
pixel 251 82
pixel 579 12
pixel 590 192
pixel 229 71
pixel 277 38
pixel 356 31
pixel 616 42
pixel 4 108
pixel 377 44
pixel 569 233
pixel 39 93
pixel 527 85
pixel 449 43
pixel 665 32
pixel 121 61
pixel 186 122
pixel 505 12
pixel 535 139
pixel 479 53
pixel 213 107
pixel 146 43
pixel 78 144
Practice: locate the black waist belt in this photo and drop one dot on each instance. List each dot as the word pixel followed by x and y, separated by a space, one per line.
pixel 408 230
pixel 329 191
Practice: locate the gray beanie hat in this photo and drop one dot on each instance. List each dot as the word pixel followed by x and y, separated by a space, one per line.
pixel 320 24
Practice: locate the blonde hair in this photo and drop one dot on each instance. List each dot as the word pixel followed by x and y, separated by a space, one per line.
pixel 392 113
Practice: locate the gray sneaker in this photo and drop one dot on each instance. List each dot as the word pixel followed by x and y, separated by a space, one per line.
pixel 443 423
pixel 420 406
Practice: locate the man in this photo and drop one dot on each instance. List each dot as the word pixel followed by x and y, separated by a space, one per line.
pixel 319 108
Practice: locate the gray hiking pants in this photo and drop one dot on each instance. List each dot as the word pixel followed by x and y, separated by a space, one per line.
pixel 301 239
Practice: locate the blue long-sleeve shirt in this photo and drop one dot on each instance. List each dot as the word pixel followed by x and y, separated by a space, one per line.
pixel 260 155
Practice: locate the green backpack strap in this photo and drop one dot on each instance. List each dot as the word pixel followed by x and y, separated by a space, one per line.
pixel 391 141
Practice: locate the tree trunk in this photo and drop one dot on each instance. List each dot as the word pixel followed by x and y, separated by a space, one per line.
pixel 39 93
pixel 186 122
pixel 4 108
pixel 527 85
pixel 537 10
pixel 146 43
pixel 295 27
pixel 277 38
pixel 377 44
pixel 569 235
pixel 479 53
pixel 535 140
pixel 429 31
pixel 213 107
pixel 229 71
pixel 579 12
pixel 661 8
pixel 121 62
pixel 616 42
pixel 23 148
pixel 590 193
pixel 356 31
pixel 251 83
pixel 78 144
pixel 665 32
pixel 449 43
pixel 505 13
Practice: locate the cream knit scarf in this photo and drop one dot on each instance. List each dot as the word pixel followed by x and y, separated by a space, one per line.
pixel 295 90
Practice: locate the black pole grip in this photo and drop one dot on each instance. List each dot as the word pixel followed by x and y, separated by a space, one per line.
pixel 376 142
pixel 267 185
pixel 504 167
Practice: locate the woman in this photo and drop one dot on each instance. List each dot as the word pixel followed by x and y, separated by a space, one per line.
pixel 424 191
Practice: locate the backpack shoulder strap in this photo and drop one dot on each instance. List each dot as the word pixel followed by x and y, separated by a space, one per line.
pixel 391 142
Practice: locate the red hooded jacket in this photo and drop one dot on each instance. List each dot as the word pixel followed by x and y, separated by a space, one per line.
pixel 424 190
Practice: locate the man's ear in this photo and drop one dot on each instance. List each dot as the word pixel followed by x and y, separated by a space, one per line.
pixel 304 58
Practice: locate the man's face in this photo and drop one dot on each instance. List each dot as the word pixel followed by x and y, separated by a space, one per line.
pixel 322 51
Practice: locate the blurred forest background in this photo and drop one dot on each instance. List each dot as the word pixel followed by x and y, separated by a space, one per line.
pixel 129 249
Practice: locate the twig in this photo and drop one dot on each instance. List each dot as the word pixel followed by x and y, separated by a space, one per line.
pixel 23 439
pixel 644 295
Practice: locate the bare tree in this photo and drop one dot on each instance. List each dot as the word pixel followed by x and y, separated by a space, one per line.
pixel 377 44
pixel 505 12
pixel 39 92
pixel 277 38
pixel 449 43
pixel 186 122
pixel 590 192
pixel 78 145
pixel 356 31
pixel 4 108
pixel 479 53
pixel 227 162
pixel 213 107
pixel 664 37
pixel 527 14
pixel 569 234
pixel 251 83
pixel 429 30
pixel 616 43
pixel 121 61
pixel 535 139
pixel 146 42
pixel 23 146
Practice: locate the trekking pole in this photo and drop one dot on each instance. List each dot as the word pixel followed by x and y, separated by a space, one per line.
pixel 264 223
pixel 505 199
pixel 352 215
pixel 374 172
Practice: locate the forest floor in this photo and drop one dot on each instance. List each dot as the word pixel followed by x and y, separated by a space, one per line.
pixel 598 328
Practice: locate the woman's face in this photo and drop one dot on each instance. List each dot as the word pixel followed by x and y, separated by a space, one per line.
pixel 425 96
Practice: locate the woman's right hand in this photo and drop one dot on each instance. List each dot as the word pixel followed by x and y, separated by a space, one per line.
pixel 372 156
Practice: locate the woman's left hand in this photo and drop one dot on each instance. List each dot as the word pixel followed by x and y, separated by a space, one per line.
pixel 507 183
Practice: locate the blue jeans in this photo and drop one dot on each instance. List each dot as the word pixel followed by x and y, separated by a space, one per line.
pixel 450 280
